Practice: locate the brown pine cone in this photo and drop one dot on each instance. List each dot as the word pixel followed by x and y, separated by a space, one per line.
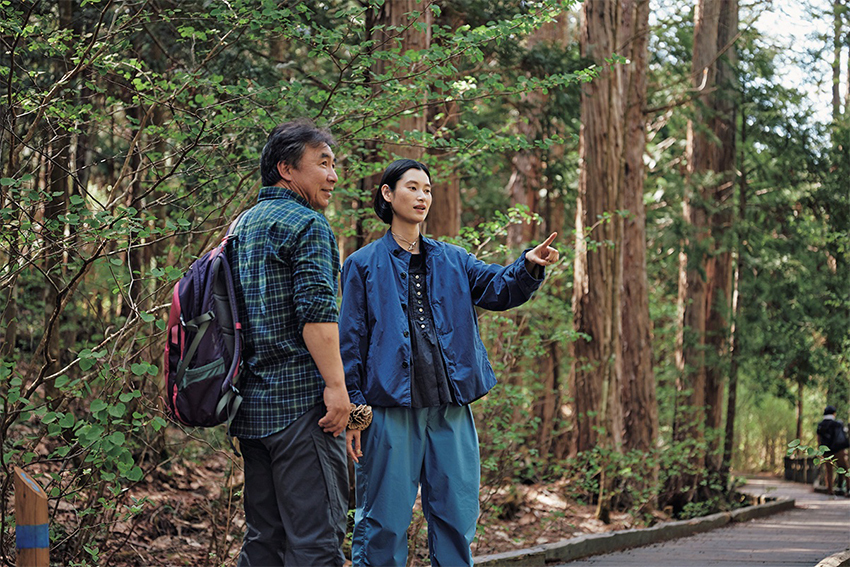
pixel 360 418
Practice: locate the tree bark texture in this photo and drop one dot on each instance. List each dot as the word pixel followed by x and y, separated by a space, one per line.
pixel 525 182
pixel 391 16
pixel 737 307
pixel 722 191
pixel 444 216
pixel 640 407
pixel 58 176
pixel 693 261
pixel 837 44
pixel 389 26
pixel 612 378
pixel 597 271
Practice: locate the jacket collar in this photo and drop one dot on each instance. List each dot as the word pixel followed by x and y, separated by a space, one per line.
pixel 431 247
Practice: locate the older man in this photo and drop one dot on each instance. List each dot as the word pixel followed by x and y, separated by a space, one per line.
pixel 295 404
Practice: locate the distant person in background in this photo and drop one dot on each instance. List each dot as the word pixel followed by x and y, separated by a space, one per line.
pixel 831 433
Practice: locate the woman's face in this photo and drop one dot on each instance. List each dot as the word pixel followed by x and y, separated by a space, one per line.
pixel 411 199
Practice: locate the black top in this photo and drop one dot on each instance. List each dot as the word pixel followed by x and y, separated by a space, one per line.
pixel 429 384
pixel 831 433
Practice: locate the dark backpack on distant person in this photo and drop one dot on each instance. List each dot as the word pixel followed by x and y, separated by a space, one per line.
pixel 832 435
pixel 203 349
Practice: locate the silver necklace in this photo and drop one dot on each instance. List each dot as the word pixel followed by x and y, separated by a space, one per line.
pixel 412 244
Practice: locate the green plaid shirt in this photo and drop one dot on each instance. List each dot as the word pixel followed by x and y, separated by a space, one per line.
pixel 286 268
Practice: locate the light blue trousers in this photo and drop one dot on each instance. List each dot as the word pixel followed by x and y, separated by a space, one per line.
pixel 404 448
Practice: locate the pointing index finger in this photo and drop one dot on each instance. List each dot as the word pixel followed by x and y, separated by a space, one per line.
pixel 549 240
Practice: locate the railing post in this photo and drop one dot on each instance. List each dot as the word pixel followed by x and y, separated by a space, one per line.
pixel 32 537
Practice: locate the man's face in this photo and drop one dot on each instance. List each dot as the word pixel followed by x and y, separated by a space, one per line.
pixel 315 177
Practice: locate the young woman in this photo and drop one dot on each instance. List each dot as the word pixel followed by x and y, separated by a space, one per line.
pixel 411 350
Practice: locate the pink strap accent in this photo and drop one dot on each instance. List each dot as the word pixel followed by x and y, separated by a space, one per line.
pixel 174 403
pixel 174 314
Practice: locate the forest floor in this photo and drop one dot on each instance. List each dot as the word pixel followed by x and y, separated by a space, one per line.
pixel 195 518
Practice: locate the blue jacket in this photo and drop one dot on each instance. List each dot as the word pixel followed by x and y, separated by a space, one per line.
pixel 374 328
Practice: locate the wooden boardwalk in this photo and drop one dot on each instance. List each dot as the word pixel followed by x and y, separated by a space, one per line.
pixel 818 527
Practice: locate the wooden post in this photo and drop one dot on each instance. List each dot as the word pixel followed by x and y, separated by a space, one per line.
pixel 32 539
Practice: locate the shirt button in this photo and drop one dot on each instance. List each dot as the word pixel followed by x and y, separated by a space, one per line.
pixel 404 364
pixel 420 310
pixel 422 318
pixel 403 275
pixel 418 285
pixel 418 293
pixel 406 334
pixel 423 326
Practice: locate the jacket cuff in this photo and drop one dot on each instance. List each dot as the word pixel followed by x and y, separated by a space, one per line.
pixel 529 281
pixel 356 397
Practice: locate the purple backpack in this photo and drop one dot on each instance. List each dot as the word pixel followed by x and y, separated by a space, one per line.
pixel 203 347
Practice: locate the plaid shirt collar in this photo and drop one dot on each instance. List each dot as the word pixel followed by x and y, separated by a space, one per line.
pixel 277 192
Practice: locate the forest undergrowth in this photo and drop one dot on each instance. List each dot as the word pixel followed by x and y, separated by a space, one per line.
pixel 186 511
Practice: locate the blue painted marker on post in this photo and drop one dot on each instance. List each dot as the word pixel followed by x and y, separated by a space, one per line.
pixel 32 537
pixel 32 534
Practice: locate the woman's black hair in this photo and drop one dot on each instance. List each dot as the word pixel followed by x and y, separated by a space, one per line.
pixel 286 144
pixel 390 178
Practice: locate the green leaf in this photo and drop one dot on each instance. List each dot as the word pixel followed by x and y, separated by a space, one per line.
pixel 158 423
pixel 67 421
pixel 117 438
pixel 135 474
pixel 117 410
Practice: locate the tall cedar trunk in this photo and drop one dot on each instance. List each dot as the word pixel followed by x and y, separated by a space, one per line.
pixel 525 182
pixel 737 302
pixel 693 261
pixel 137 257
pixel 546 409
pixel 524 189
pixel 640 407
pixel 611 110
pixel 54 259
pixel 395 29
pixel 837 15
pixel 389 27
pixel 720 270
pixel 444 216
pixel 10 305
pixel 10 257
pixel 524 185
pixel 592 279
